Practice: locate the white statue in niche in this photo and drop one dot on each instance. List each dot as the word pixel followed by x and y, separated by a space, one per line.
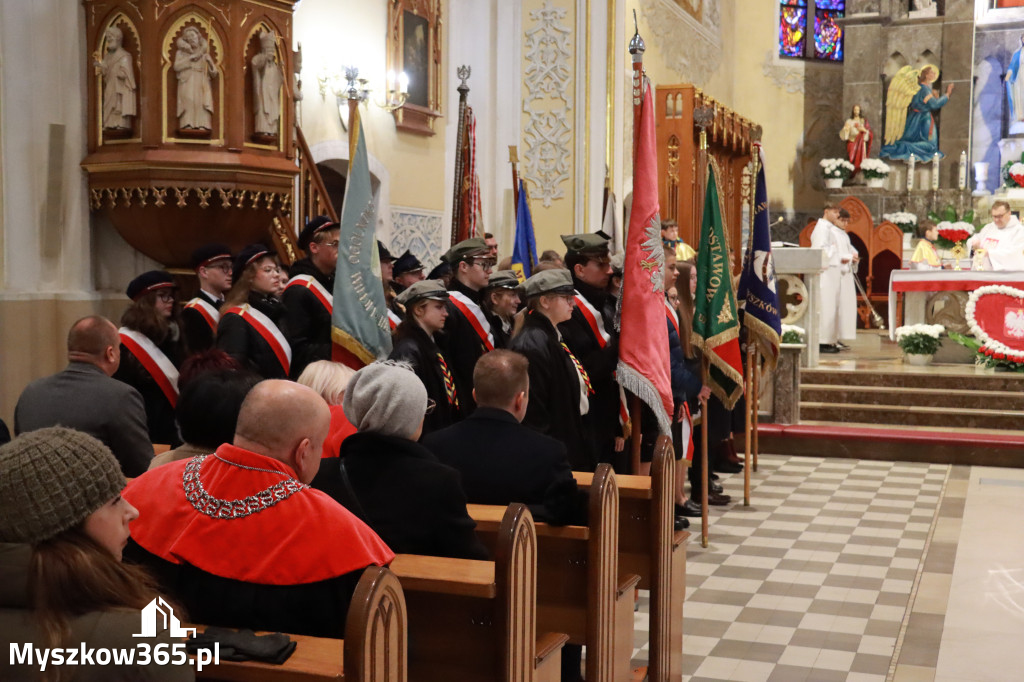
pixel 118 71
pixel 195 69
pixel 267 78
pixel 1015 89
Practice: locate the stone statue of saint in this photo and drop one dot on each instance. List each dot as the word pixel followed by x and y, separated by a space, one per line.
pixel 1015 89
pixel 118 71
pixel 195 69
pixel 267 78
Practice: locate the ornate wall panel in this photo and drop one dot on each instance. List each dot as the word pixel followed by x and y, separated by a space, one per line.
pixel 419 231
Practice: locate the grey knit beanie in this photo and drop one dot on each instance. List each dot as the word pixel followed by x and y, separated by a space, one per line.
pixel 386 397
pixel 50 480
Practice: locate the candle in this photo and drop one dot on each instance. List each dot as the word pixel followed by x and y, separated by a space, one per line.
pixel 403 83
pixel 962 177
pixel 910 173
pixel 935 171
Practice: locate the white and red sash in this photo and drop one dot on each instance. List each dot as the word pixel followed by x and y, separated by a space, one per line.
pixel 393 319
pixel 153 359
pixel 266 328
pixel 472 312
pixel 595 320
pixel 325 297
pixel 673 317
pixel 209 313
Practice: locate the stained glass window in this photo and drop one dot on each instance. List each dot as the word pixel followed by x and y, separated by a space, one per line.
pixel 827 35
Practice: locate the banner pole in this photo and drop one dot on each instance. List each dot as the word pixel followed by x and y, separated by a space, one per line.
pixel 756 399
pixel 635 436
pixel 704 372
pixel 748 440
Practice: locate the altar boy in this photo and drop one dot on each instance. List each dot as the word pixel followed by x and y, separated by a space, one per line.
pixel 925 256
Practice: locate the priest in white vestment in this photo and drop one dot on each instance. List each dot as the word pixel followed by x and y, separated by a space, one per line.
pixel 1000 244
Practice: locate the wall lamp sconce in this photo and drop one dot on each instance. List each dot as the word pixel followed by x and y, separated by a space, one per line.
pixel 351 87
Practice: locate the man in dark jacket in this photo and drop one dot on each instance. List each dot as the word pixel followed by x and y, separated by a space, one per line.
pixel 502 461
pixel 309 295
pixel 467 331
pixel 591 335
pixel 84 397
pixel 200 316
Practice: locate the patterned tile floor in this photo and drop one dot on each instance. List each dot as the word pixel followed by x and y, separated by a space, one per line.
pixel 813 580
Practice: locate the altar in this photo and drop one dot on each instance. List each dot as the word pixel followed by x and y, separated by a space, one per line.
pixel 940 296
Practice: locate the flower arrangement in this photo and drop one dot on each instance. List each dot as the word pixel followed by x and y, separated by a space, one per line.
pixel 907 222
pixel 836 168
pixel 951 233
pixel 875 168
pixel 919 339
pixel 793 334
pixel 1013 173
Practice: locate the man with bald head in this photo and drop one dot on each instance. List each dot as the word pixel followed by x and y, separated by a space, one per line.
pixel 83 396
pixel 240 539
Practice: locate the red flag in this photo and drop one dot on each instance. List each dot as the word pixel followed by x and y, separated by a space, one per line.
pixel 643 342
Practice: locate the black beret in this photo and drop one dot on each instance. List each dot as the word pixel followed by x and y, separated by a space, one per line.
pixel 249 254
pixel 407 263
pixel 442 269
pixel 313 228
pixel 383 254
pixel 150 281
pixel 209 253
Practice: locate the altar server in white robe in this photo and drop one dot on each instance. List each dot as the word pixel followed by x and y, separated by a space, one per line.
pixel 824 237
pixel 1000 244
pixel 848 259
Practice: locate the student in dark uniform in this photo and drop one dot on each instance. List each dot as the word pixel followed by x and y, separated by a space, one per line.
pixel 467 332
pixel 500 302
pixel 152 349
pixel 309 295
pixel 200 316
pixel 426 311
pixel 559 386
pixel 590 334
pixel 251 318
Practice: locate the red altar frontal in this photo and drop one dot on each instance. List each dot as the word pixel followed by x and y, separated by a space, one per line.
pixel 940 296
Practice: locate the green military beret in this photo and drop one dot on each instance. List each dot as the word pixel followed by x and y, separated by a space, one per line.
pixel 466 249
pixel 586 243
pixel 503 279
pixel 427 288
pixel 557 281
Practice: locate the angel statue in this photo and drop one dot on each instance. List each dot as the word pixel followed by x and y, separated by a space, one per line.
pixel 910 124
pixel 856 133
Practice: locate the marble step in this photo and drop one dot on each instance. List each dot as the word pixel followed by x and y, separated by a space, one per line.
pixel 904 396
pixel 912 415
pixel 938 378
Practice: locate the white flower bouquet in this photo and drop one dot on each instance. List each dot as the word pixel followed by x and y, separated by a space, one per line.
pixel 907 222
pixel 836 168
pixel 875 168
pixel 919 339
pixel 793 334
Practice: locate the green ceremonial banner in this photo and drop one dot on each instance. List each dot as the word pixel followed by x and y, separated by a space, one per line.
pixel 715 327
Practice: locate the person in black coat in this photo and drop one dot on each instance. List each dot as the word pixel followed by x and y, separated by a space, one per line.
pixel 199 317
pixel 152 349
pixel 251 307
pixel 309 295
pixel 468 333
pixel 500 460
pixel 559 386
pixel 398 487
pixel 500 302
pixel 426 312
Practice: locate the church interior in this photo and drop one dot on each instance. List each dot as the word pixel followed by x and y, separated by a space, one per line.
pixel 877 544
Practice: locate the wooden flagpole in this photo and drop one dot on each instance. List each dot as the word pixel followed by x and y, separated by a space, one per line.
pixel 460 141
pixel 702 117
pixel 637 47
pixel 749 405
pixel 513 158
pixel 756 399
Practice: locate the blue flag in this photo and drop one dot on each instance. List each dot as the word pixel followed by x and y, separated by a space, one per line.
pixel 524 255
pixel 757 295
pixel 359 320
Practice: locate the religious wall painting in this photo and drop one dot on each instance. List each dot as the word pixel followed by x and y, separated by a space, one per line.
pixel 266 93
pixel 193 83
pixel 116 66
pixel 414 48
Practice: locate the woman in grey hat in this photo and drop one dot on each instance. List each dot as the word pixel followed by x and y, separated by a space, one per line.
pixel 500 302
pixel 63 525
pixel 425 315
pixel 559 385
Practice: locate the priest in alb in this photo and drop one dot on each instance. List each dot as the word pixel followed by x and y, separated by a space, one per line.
pixel 1000 244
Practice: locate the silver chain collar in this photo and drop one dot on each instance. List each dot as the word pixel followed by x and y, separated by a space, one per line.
pixel 205 503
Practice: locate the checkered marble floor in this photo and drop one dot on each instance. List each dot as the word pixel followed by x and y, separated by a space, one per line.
pixel 812 580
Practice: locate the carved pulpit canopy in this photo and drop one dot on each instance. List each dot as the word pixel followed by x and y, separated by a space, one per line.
pixel 191 120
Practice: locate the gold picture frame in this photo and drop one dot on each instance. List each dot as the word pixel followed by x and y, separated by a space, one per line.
pixel 414 46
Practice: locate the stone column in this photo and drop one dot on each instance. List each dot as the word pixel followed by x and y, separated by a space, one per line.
pixel 786 385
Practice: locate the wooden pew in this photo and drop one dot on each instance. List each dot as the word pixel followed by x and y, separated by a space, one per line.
pixel 477 620
pixel 374 648
pixel 650 547
pixel 580 590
